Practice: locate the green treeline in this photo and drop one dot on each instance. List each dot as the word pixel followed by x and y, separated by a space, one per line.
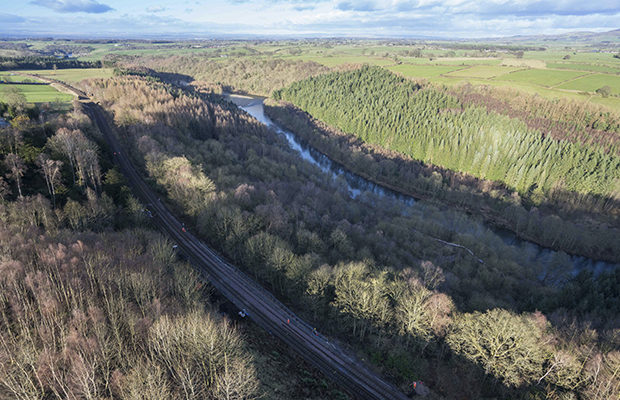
pixel 37 62
pixel 433 126
pixel 364 270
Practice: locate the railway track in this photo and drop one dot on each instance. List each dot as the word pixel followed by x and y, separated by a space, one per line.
pixel 260 305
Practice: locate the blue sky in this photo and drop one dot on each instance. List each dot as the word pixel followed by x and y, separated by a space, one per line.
pixel 370 18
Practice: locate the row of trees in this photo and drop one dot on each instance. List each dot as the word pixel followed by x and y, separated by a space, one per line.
pixel 419 308
pixel 38 62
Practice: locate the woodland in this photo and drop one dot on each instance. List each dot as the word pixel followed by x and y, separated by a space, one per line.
pixel 479 148
pixel 37 62
pixel 95 304
pixel 238 75
pixel 416 308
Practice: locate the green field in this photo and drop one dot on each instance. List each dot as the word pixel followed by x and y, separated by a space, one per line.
pixel 585 67
pixel 591 83
pixel 542 77
pixel 465 61
pixel 38 93
pixel 13 77
pixel 339 60
pixel 8 77
pixel 72 75
pixel 483 72
pixel 579 56
pixel 544 72
pixel 423 71
pixel 611 102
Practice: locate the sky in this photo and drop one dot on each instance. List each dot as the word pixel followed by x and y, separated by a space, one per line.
pixel 309 18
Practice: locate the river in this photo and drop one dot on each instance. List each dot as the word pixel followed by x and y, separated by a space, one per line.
pixel 531 253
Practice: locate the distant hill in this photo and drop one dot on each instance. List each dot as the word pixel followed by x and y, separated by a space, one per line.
pixel 609 38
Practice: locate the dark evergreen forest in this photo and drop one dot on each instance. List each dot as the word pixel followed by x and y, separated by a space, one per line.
pixel 433 126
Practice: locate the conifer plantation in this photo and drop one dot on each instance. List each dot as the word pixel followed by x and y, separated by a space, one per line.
pixel 433 126
pixel 486 150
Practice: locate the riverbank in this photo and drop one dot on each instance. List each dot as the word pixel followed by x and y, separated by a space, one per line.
pixel 542 229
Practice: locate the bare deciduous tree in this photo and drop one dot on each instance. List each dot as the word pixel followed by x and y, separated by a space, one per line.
pixel 17 168
pixel 51 172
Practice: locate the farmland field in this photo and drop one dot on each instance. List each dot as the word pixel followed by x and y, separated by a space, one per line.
pixel 611 102
pixel 464 61
pixel 423 70
pixel 338 60
pixel 483 72
pixel 73 75
pixel 100 52
pixel 7 77
pixel 585 67
pixel 591 83
pixel 593 57
pixel 542 77
pixel 39 93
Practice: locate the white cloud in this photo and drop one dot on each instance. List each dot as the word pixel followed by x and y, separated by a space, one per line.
pixel 396 18
pixel 73 6
pixel 155 9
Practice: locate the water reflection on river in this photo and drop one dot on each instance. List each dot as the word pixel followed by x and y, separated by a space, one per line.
pixel 527 253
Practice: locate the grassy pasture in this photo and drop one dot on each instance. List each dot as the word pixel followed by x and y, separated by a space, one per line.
pixel 424 71
pixel 542 77
pixel 525 87
pixel 7 77
pixel 591 83
pixel 585 67
pixel 99 53
pixel 611 102
pixel 458 61
pixel 483 72
pixel 339 60
pixel 523 63
pixel 38 93
pixel 583 56
pixel 72 75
